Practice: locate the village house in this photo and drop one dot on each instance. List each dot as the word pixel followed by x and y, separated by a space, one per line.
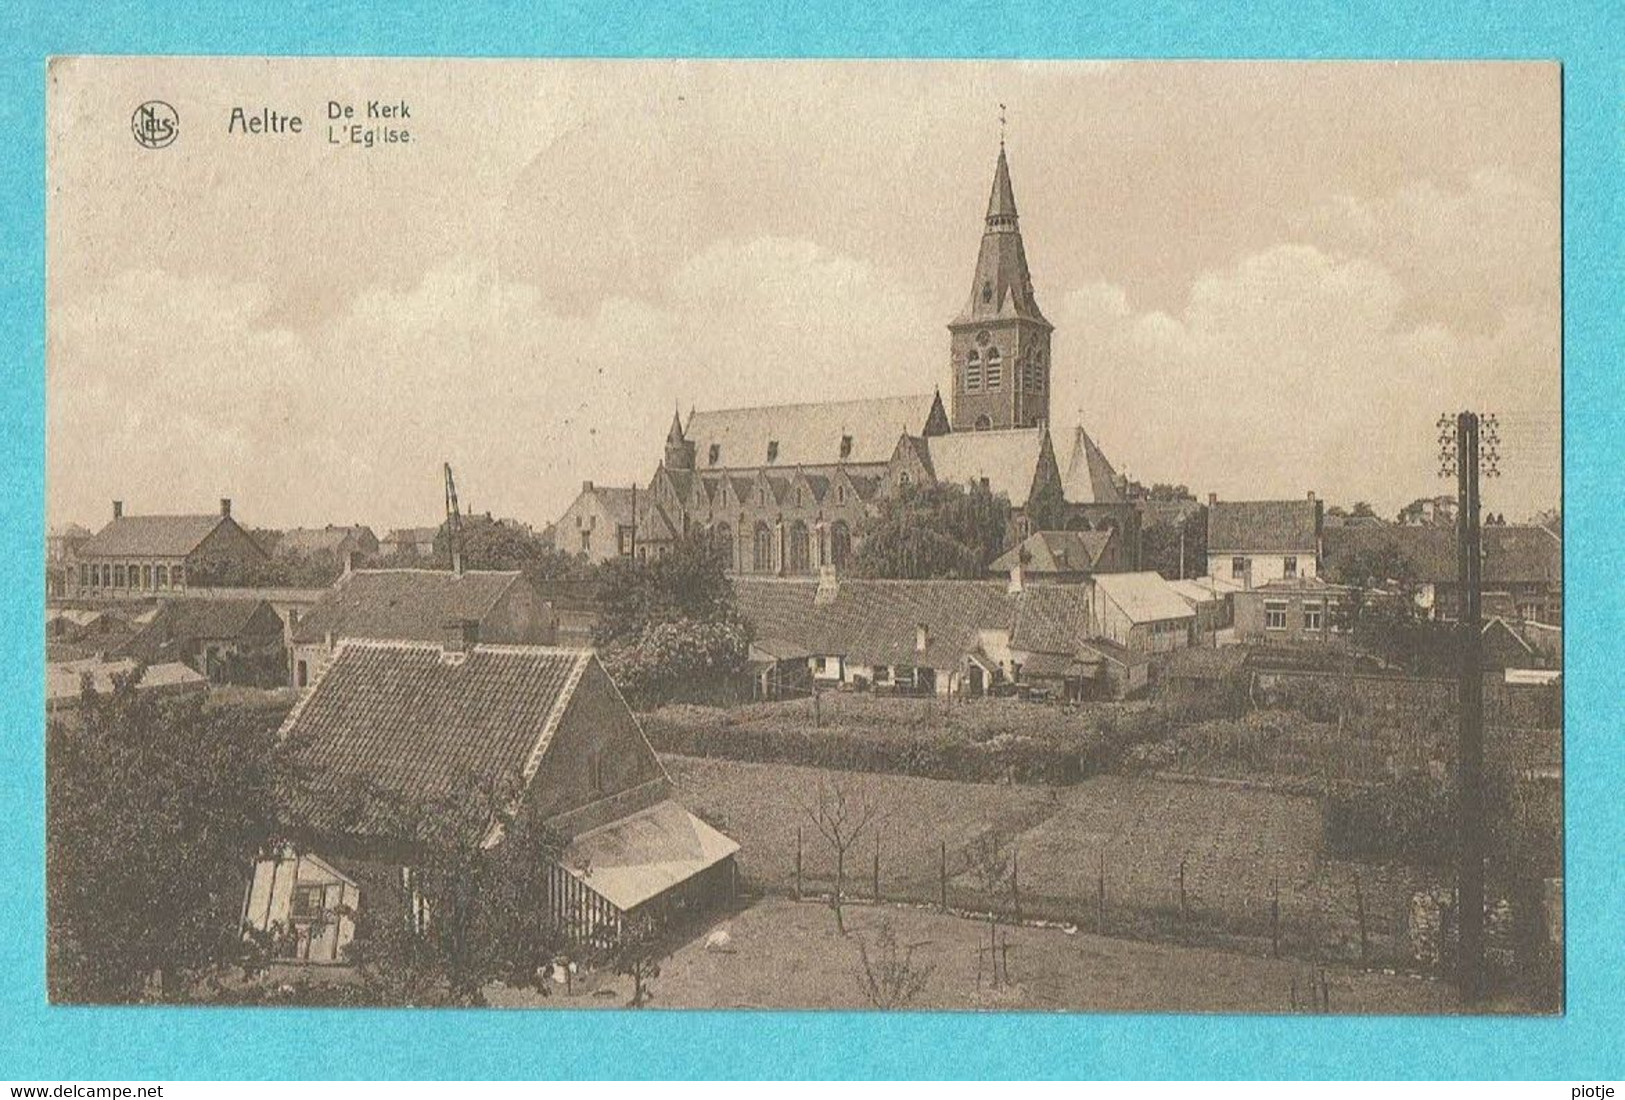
pixel 963 637
pixel 599 524
pixel 1299 609
pixel 418 605
pixel 339 542
pixel 412 720
pixel 141 556
pixel 237 641
pixel 1253 542
pixel 408 542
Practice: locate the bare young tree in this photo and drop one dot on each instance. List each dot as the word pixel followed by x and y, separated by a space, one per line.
pixel 990 858
pixel 843 813
pixel 887 974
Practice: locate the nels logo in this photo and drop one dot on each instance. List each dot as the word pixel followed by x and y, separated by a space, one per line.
pixel 155 124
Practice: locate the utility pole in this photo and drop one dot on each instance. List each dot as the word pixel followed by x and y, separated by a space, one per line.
pixel 1465 445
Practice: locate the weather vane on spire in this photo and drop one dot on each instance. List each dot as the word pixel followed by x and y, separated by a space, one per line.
pixel 1001 126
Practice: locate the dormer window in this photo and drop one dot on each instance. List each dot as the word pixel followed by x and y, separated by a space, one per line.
pixel 772 450
pixel 715 453
pixel 846 446
pixel 840 494
pixel 987 292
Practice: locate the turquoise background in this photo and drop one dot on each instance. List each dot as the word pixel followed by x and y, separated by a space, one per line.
pixel 40 1042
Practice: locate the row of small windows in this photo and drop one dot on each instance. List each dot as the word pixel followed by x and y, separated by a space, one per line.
pixel 713 455
pixel 1315 615
pixel 987 374
pixel 130 576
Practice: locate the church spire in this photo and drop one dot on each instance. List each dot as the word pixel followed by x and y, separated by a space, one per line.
pixel 1001 204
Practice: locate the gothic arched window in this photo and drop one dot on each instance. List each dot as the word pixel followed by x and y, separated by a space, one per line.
pixel 840 544
pixel 761 557
pixel 983 423
pixel 800 549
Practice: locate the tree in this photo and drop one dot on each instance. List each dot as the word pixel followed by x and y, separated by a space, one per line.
pixel 1363 510
pixel 887 976
pixel 991 858
pixel 155 812
pixel 638 955
pixel 297 570
pixel 688 584
pixel 1176 550
pixel 933 531
pixel 1382 614
pixel 492 544
pixel 473 912
pixel 668 628
pixel 842 814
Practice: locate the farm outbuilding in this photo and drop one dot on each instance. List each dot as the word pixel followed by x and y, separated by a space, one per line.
pixel 417 720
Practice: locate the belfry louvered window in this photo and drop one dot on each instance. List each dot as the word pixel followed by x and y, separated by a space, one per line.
pixel 995 370
pixel 973 371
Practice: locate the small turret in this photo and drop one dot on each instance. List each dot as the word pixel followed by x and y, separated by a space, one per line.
pixel 679 451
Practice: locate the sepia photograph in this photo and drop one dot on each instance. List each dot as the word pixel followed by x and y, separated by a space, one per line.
pixel 967 536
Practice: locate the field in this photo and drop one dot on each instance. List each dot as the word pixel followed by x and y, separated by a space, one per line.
pixel 1244 851
pixel 784 954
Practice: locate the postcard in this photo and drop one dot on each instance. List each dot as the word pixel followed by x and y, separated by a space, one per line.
pixel 995 536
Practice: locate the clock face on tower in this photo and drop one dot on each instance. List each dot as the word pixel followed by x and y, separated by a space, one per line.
pixel 982 338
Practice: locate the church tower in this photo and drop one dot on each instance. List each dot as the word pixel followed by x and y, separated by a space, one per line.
pixel 999 343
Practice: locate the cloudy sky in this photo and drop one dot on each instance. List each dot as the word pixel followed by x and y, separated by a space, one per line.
pixel 1265 279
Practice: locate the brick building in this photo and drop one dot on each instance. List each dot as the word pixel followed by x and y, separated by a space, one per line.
pixel 142 556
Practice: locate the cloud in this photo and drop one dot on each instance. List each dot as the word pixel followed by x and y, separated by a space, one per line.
pixel 1297 368
pixel 350 422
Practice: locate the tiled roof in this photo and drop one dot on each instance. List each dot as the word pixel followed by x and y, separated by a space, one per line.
pixel 1007 459
pixel 1055 552
pixel 1513 554
pixel 1051 618
pixel 412 534
pixel 806 435
pixel 1263 527
pixel 190 620
pixel 407 718
pixel 1143 597
pixel 877 622
pixel 151 536
pixel 1088 477
pixel 410 604
pixel 316 540
pixel 616 500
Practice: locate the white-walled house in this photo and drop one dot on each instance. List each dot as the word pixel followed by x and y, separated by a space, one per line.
pixel 1254 542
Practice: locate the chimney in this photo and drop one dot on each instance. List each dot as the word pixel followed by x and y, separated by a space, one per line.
pixel 586 486
pixel 922 637
pixel 1018 578
pixel 349 562
pixel 459 635
pixel 1311 494
pixel 829 585
pixel 118 509
pixel 225 506
pixel 1212 499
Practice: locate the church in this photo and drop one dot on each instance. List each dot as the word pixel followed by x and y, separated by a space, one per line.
pixel 784 488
